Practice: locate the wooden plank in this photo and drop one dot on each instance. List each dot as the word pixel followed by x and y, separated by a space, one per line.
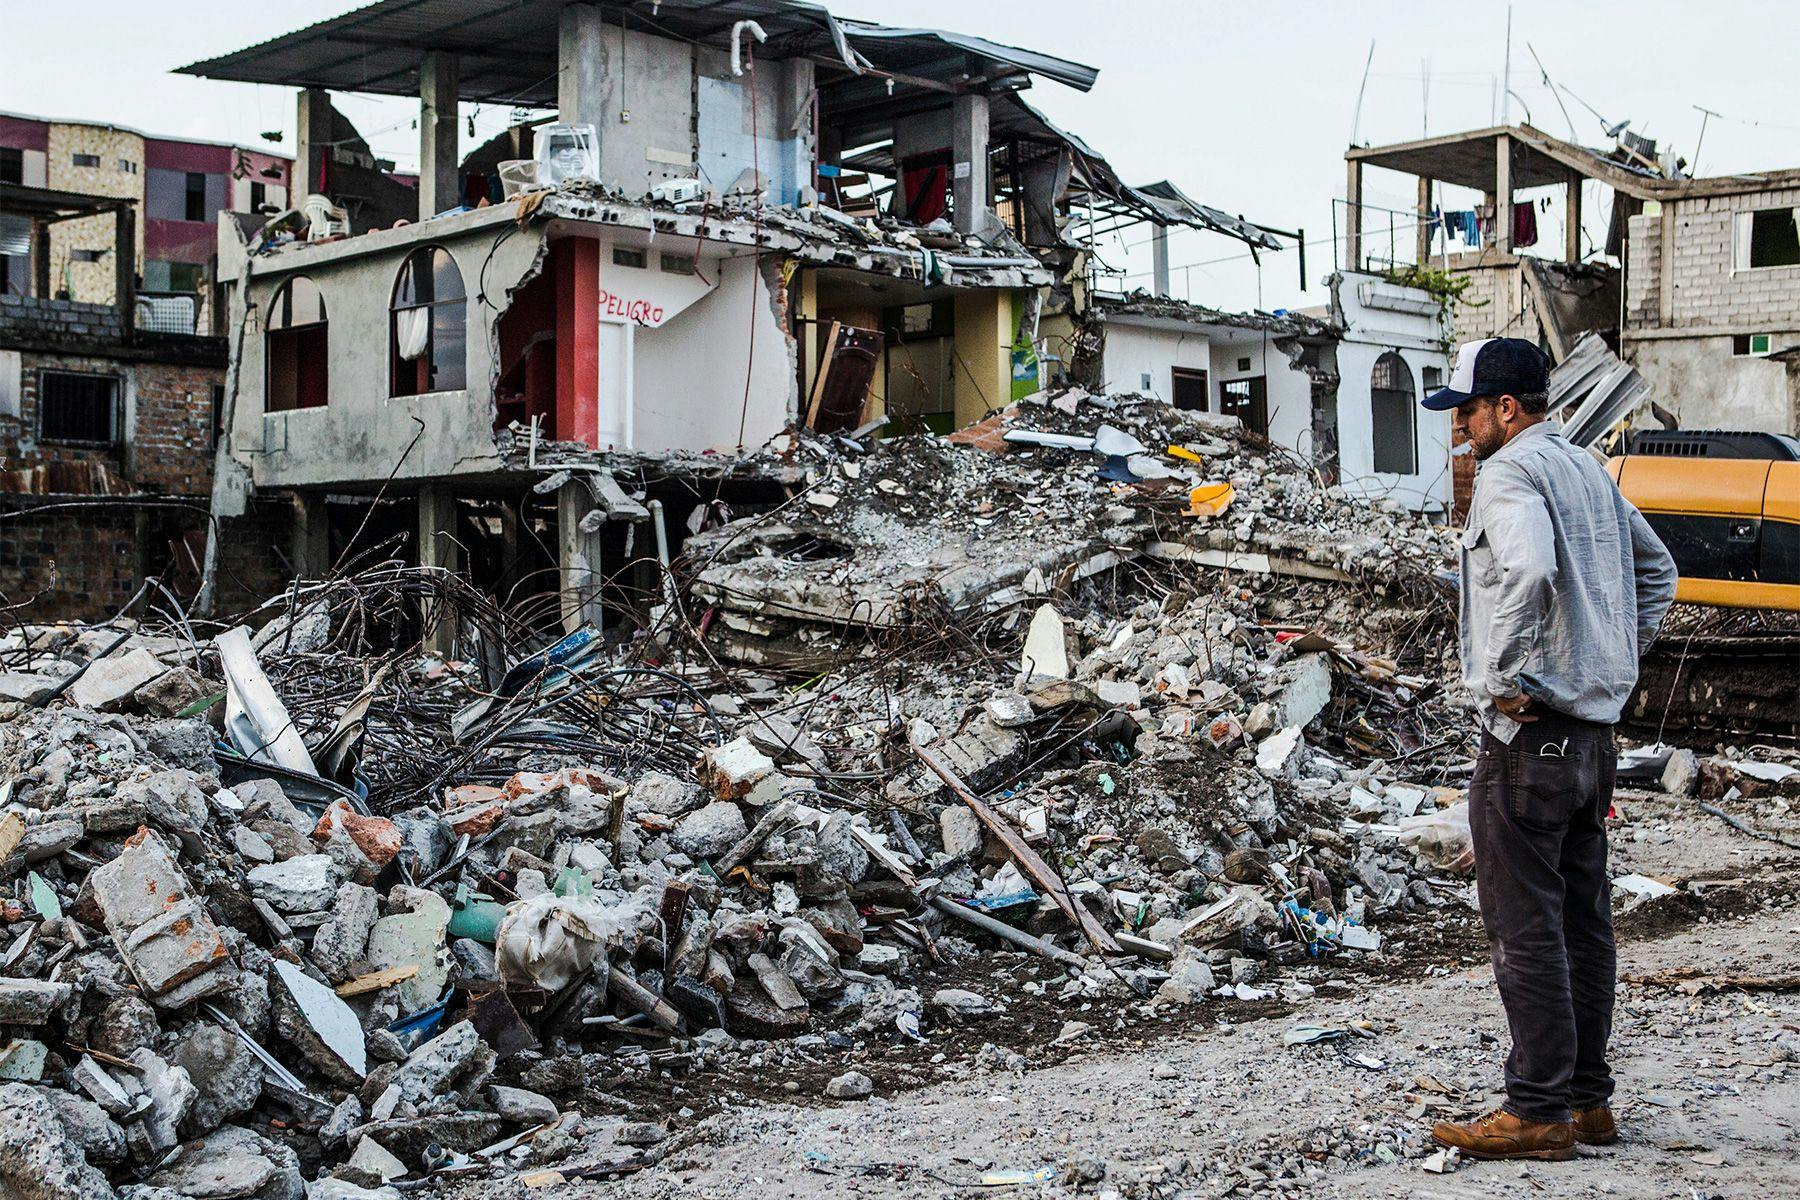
pixel 374 981
pixel 821 369
pixel 1040 871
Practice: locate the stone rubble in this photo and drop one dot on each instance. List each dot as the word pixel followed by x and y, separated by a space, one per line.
pixel 1224 742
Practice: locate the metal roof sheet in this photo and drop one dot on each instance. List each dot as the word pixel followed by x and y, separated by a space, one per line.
pixel 507 49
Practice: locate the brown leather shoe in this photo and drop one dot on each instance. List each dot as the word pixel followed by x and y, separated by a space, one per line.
pixel 1594 1126
pixel 1501 1135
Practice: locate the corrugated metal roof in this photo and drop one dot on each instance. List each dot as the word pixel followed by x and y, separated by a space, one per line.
pixel 507 49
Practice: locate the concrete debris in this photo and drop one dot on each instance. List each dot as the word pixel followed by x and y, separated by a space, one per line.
pixel 404 912
pixel 851 1085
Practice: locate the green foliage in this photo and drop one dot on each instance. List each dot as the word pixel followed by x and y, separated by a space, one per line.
pixel 1444 286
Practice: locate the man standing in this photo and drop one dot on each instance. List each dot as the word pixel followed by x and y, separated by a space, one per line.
pixel 1563 588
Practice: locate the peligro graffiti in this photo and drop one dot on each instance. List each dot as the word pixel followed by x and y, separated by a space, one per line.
pixel 639 312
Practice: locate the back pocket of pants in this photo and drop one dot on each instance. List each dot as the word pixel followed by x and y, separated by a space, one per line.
pixel 1543 789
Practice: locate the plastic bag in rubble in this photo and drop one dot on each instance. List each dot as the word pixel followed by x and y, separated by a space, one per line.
pixel 1442 838
pixel 549 940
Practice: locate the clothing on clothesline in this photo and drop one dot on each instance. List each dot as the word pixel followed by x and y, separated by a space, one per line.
pixel 1464 225
pixel 1524 226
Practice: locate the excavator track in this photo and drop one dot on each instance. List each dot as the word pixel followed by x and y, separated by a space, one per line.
pixel 1720 673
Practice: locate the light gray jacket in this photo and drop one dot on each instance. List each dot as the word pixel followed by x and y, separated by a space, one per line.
pixel 1564 583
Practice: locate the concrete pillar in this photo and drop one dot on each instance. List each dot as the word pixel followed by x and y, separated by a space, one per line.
pixel 969 162
pixel 311 546
pixel 40 259
pixel 1422 251
pixel 125 268
pixel 575 263
pixel 1353 243
pixel 1503 194
pixel 440 180
pixel 581 82
pixel 438 547
pixel 1159 260
pixel 312 145
pixel 578 557
pixel 1572 220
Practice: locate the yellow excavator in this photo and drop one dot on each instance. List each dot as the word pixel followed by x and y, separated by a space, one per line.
pixel 1727 505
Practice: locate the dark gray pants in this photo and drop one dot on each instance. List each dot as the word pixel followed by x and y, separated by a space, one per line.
pixel 1537 810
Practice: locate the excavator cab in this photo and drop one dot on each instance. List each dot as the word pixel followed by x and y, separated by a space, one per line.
pixel 1727 505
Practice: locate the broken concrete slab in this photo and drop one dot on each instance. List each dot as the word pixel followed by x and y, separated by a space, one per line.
pixel 416 938
pixel 521 1106
pixel 235 1163
pixel 109 683
pixel 961 832
pixel 851 1085
pixel 732 770
pixel 343 940
pixel 170 943
pixel 1046 653
pixel 312 1018
pixel 446 1059
pixel 1281 754
pixel 1681 774
pixel 44 840
pixel 31 1001
pixel 88 1126
pixel 1306 692
pixel 34 1163
pixel 711 831
pixel 227 1077
pixel 27 687
pixel 298 885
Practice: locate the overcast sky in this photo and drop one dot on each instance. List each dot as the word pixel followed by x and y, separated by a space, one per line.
pixel 1247 107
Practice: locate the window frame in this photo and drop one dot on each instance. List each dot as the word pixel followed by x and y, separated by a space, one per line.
pixel 1408 400
pixel 115 408
pixel 295 331
pixel 190 194
pixel 87 162
pixel 428 358
pixel 1743 224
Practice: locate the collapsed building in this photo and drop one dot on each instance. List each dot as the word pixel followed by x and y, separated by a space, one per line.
pixel 841 223
pixel 1694 282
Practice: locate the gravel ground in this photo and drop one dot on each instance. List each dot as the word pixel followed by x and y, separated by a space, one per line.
pixel 1709 1084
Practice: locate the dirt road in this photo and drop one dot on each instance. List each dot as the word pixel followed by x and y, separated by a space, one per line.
pixel 1709 1083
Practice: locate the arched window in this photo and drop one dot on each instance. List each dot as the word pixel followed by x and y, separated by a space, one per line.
pixel 429 325
pixel 296 348
pixel 1392 402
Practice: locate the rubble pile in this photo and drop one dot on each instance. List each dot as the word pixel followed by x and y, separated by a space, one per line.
pixel 305 910
pixel 920 527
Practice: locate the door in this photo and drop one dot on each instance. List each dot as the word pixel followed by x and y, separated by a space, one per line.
pixel 1187 388
pixel 1248 401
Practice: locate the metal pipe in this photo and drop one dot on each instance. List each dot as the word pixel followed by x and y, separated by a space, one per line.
pixel 1018 937
pixel 662 551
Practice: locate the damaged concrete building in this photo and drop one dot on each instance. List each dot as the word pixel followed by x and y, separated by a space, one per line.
pixel 787 219
pixel 1341 390
pixel 1696 282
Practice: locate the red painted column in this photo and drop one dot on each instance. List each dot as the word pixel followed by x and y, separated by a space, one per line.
pixel 576 261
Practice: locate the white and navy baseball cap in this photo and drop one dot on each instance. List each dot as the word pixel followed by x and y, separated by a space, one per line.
pixel 1493 367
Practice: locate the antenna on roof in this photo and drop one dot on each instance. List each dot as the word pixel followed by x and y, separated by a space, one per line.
pixel 1551 84
pixel 1506 75
pixel 1356 119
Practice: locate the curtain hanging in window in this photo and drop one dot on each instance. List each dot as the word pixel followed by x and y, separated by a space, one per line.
pixel 412 327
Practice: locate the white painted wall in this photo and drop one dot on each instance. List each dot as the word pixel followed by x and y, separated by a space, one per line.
pixel 689 373
pixel 1289 388
pixel 1135 354
pixel 1369 332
